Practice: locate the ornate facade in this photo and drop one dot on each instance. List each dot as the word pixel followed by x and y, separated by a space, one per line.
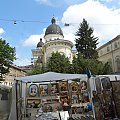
pixel 54 42
pixel 110 52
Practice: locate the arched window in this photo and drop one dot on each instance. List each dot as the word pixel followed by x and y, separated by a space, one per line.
pixel 118 63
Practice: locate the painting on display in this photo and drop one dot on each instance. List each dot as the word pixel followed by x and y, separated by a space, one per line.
pixel 53 88
pixel 34 103
pixel 74 86
pixel 75 98
pixel 98 85
pixel 85 97
pixel 63 86
pixel 33 90
pixel 116 95
pixel 107 96
pixel 43 89
pixel 106 83
pixel 83 85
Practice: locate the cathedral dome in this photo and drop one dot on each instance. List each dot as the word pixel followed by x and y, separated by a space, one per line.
pixel 40 44
pixel 53 28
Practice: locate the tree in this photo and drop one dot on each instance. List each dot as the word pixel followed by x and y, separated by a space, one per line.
pixel 107 69
pixel 58 63
pixel 86 43
pixel 7 56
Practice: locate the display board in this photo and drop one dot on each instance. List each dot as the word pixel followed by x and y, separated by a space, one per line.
pixel 59 96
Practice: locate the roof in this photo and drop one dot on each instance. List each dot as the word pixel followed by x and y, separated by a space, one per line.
pixel 40 44
pixel 53 28
pixel 109 42
pixel 51 76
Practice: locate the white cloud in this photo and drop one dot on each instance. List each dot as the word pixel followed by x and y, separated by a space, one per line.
pixel 2 31
pixel 32 40
pixel 105 21
pixel 22 62
pixel 106 0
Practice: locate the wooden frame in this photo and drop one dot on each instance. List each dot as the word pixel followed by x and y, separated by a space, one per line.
pixel 63 86
pixel 33 90
pixel 106 83
pixel 43 88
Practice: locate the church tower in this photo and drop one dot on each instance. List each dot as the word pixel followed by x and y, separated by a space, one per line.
pixel 54 42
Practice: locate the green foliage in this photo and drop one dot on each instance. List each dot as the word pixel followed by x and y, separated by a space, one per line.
pixel 86 43
pixel 7 56
pixel 107 69
pixel 58 63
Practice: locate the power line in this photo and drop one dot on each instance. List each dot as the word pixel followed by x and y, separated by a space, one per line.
pixel 65 24
pixel 10 20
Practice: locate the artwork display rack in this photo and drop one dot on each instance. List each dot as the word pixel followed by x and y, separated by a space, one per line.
pixel 58 96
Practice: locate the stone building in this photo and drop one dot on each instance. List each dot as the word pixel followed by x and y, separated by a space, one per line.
pixel 110 52
pixel 54 42
pixel 14 71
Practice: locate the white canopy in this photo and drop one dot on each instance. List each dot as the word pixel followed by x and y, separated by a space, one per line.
pixel 51 76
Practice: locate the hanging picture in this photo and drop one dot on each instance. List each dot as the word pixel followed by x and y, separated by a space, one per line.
pixel 107 96
pixel 74 86
pixel 43 89
pixel 63 86
pixel 116 95
pixel 75 98
pixel 33 90
pixel 34 103
pixel 53 88
pixel 85 97
pixel 98 85
pixel 106 83
pixel 83 85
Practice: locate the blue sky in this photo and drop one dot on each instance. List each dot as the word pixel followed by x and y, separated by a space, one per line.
pixel 33 16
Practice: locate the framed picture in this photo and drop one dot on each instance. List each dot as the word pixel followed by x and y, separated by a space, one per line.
pixel 83 85
pixel 63 86
pixel 115 86
pixel 116 95
pixel 106 83
pixel 33 90
pixel 53 88
pixel 74 86
pixel 107 96
pixel 33 103
pixel 75 98
pixel 43 89
pixel 85 97
pixel 98 85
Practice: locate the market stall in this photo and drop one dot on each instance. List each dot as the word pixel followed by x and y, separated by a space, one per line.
pixel 57 92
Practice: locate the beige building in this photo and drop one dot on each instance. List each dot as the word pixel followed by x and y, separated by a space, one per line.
pixel 14 72
pixel 54 42
pixel 110 52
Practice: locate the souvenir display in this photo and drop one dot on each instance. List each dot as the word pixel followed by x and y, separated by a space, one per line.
pixel 43 89
pixel 107 96
pixel 75 98
pixel 98 85
pixel 85 97
pixel 33 103
pixel 116 95
pixel 33 90
pixel 53 88
pixel 74 86
pixel 97 106
pixel 63 86
pixel 106 83
pixel 83 85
